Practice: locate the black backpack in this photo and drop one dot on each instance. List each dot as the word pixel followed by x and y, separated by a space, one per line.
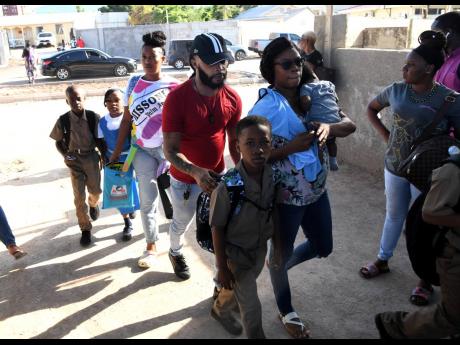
pixel 235 188
pixel 425 241
pixel 65 125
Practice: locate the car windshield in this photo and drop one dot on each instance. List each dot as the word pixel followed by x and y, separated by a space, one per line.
pixel 45 35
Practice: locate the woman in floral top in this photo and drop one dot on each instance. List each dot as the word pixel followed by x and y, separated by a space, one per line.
pixel 302 203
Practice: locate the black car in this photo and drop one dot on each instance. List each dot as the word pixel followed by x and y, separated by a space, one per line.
pixel 89 62
pixel 179 53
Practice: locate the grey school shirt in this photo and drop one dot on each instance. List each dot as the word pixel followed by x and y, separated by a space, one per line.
pixel 410 118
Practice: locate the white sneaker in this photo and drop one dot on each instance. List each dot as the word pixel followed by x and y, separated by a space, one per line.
pixel 147 260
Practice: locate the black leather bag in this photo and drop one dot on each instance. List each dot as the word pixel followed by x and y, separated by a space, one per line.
pixel 428 152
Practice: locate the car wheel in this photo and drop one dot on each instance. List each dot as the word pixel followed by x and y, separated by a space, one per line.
pixel 121 70
pixel 240 55
pixel 179 64
pixel 62 73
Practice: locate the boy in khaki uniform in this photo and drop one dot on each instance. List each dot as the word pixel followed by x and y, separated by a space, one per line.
pixel 241 247
pixel 81 158
pixel 443 319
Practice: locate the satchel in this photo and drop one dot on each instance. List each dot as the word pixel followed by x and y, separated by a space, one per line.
pixel 118 191
pixel 427 151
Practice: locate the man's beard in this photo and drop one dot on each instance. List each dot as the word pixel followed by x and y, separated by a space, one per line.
pixel 208 80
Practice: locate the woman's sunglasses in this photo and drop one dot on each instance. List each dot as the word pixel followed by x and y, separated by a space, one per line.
pixel 287 64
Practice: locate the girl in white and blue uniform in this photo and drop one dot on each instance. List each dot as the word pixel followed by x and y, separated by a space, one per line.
pixel 108 129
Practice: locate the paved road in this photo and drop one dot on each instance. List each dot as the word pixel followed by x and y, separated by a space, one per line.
pixel 15 75
pixel 61 290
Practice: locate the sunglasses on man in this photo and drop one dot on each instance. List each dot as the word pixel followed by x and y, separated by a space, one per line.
pixel 287 64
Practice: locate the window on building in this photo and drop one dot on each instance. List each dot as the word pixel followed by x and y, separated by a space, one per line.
pixel 59 29
pixel 39 29
pixel 418 11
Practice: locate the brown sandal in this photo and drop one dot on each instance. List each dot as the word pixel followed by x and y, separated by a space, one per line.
pixel 16 251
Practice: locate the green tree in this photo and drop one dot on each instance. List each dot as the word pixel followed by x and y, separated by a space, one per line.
pixel 140 14
pixel 79 9
pixel 115 8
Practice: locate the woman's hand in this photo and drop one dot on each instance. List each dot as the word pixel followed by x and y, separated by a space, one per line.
pixel 301 142
pixel 322 132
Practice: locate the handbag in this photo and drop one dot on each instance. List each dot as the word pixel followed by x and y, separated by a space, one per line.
pixel 118 191
pixel 427 152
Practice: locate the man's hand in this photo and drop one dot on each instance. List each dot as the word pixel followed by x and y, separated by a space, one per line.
pixel 205 178
pixel 225 278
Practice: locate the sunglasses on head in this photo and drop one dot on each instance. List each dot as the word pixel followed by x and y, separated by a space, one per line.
pixel 287 64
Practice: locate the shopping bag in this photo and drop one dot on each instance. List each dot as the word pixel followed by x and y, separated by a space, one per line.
pixel 118 187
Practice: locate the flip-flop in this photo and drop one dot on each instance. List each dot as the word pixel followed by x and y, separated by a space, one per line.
pixel 289 319
pixel 420 296
pixel 371 270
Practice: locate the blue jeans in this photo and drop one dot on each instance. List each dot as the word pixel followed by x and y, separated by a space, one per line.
pixel 400 194
pixel 146 162
pixel 186 210
pixel 6 235
pixel 315 220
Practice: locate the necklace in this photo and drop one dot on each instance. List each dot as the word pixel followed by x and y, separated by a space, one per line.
pixel 211 117
pixel 414 99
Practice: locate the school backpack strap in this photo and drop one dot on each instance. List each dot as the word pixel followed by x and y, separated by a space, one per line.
pixel 91 118
pixel 65 126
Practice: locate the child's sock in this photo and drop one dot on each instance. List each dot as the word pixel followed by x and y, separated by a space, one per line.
pixel 128 222
pixel 333 163
pixel 127 229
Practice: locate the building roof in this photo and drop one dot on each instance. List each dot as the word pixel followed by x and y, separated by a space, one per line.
pixel 359 8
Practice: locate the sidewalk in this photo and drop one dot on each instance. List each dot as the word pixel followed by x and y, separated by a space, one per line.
pixel 61 290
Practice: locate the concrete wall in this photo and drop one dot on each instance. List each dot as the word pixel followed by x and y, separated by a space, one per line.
pixel 4 49
pixel 127 41
pixel 361 74
pixel 352 32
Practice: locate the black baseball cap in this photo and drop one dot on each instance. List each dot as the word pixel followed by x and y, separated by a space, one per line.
pixel 211 48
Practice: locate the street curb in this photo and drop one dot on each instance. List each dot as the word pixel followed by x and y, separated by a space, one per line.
pixel 91 93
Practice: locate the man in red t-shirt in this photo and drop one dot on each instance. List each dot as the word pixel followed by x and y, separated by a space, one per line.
pixel 80 42
pixel 197 116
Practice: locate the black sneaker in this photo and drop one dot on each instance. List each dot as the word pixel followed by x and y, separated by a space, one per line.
pixel 180 266
pixel 94 212
pixel 132 215
pixel 127 233
pixel 85 239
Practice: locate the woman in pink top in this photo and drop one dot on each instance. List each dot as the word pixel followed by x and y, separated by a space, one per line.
pixel 449 74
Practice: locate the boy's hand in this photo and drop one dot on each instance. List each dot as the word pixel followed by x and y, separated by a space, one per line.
pixel 225 278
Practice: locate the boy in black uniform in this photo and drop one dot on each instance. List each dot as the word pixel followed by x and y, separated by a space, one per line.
pixel 75 133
